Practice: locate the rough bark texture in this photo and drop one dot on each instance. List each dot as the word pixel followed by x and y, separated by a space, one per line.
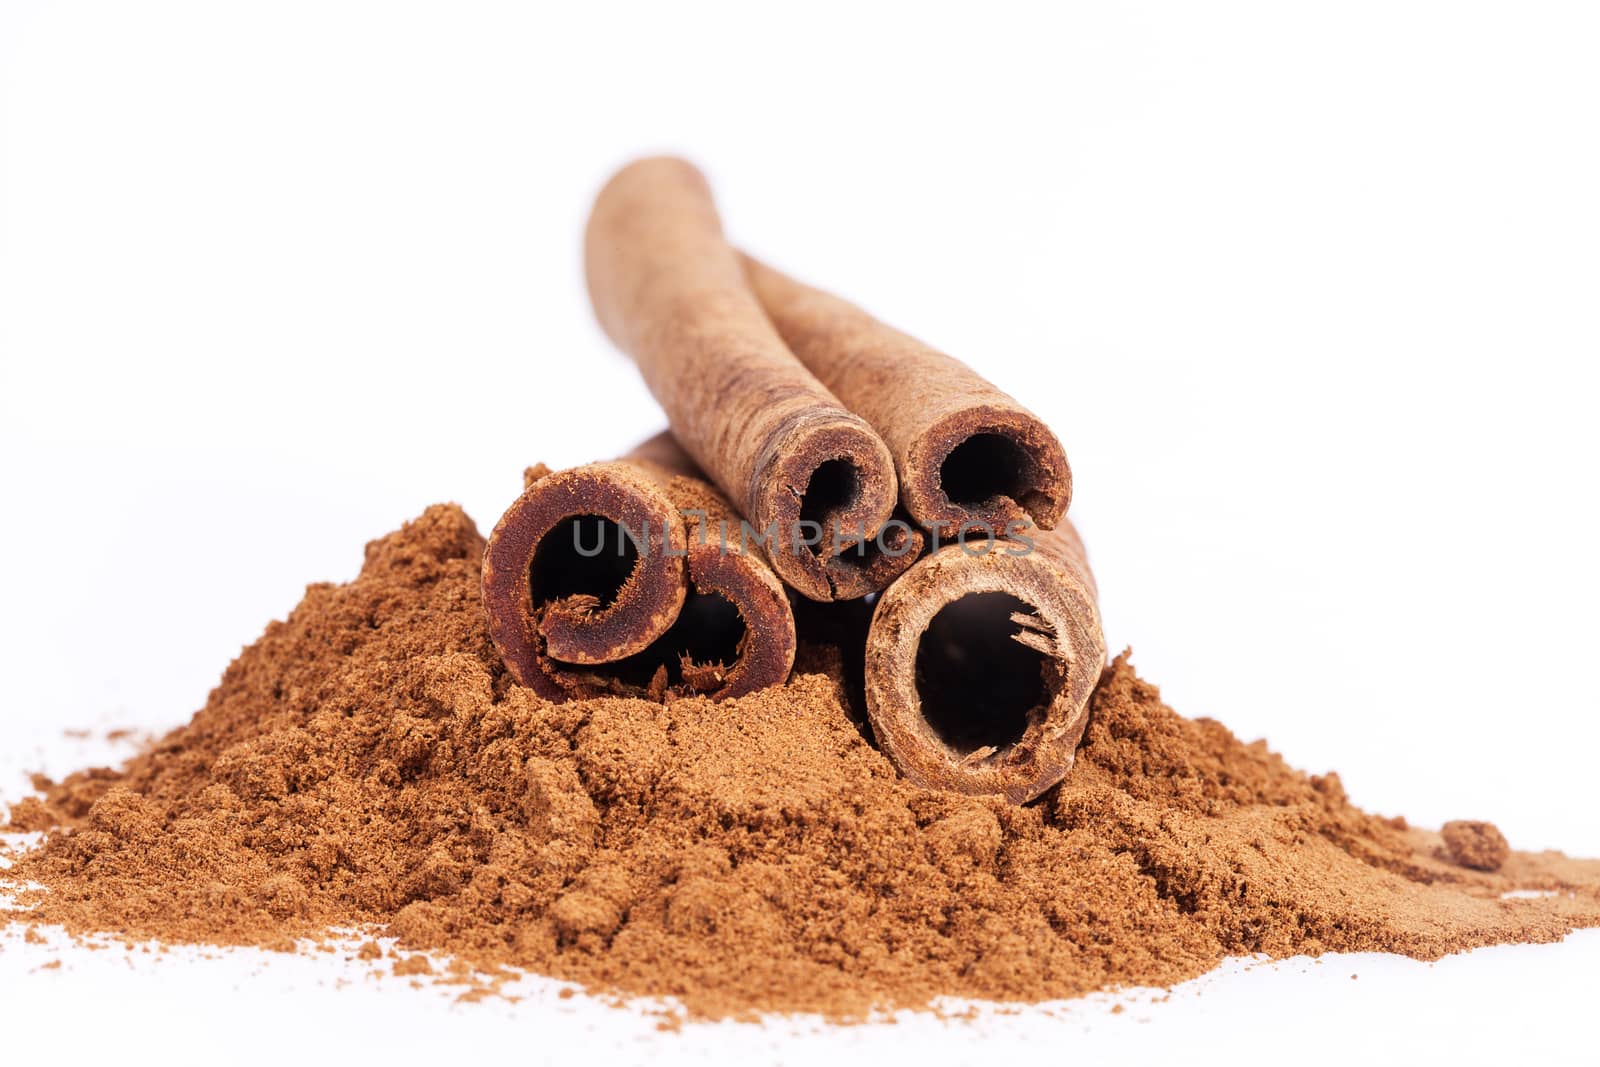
pixel 1061 624
pixel 640 639
pixel 669 291
pixel 926 406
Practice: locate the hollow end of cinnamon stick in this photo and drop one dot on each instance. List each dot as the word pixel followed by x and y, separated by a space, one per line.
pixel 823 498
pixel 986 466
pixel 965 453
pixel 594 583
pixel 979 667
pixel 763 649
pixel 588 566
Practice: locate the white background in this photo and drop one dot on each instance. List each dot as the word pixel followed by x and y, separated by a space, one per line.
pixel 1308 291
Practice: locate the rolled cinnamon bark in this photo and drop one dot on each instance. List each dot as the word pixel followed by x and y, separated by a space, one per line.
pixel 979 666
pixel 811 476
pixel 964 452
pixel 624 578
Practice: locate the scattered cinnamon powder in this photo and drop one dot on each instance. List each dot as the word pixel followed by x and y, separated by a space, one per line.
pixel 413 966
pixel 368 761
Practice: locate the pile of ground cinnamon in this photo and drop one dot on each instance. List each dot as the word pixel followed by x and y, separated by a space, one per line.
pixel 368 761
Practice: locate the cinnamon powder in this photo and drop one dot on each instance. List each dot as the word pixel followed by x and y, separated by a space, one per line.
pixel 369 761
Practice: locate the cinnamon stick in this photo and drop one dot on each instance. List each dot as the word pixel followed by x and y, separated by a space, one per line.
pixel 966 453
pixel 814 480
pixel 980 662
pixel 623 577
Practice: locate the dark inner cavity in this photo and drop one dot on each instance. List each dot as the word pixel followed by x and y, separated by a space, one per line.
pixel 986 466
pixel 709 631
pixel 584 554
pixel 834 487
pixel 980 688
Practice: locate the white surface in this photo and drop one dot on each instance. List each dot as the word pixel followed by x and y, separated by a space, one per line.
pixel 1308 291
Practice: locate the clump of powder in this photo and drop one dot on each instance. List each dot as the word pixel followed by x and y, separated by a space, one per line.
pixel 1475 844
pixel 368 761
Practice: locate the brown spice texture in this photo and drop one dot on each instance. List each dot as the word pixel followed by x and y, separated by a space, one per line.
pixel 1475 844
pixel 368 761
pixel 668 289
pixel 931 411
pixel 921 681
pixel 690 612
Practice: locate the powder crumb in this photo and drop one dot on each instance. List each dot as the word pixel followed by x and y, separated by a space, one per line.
pixel 1475 844
pixel 53 965
pixel 33 937
pixel 369 763
pixel 29 816
pixel 413 966
pixel 371 950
